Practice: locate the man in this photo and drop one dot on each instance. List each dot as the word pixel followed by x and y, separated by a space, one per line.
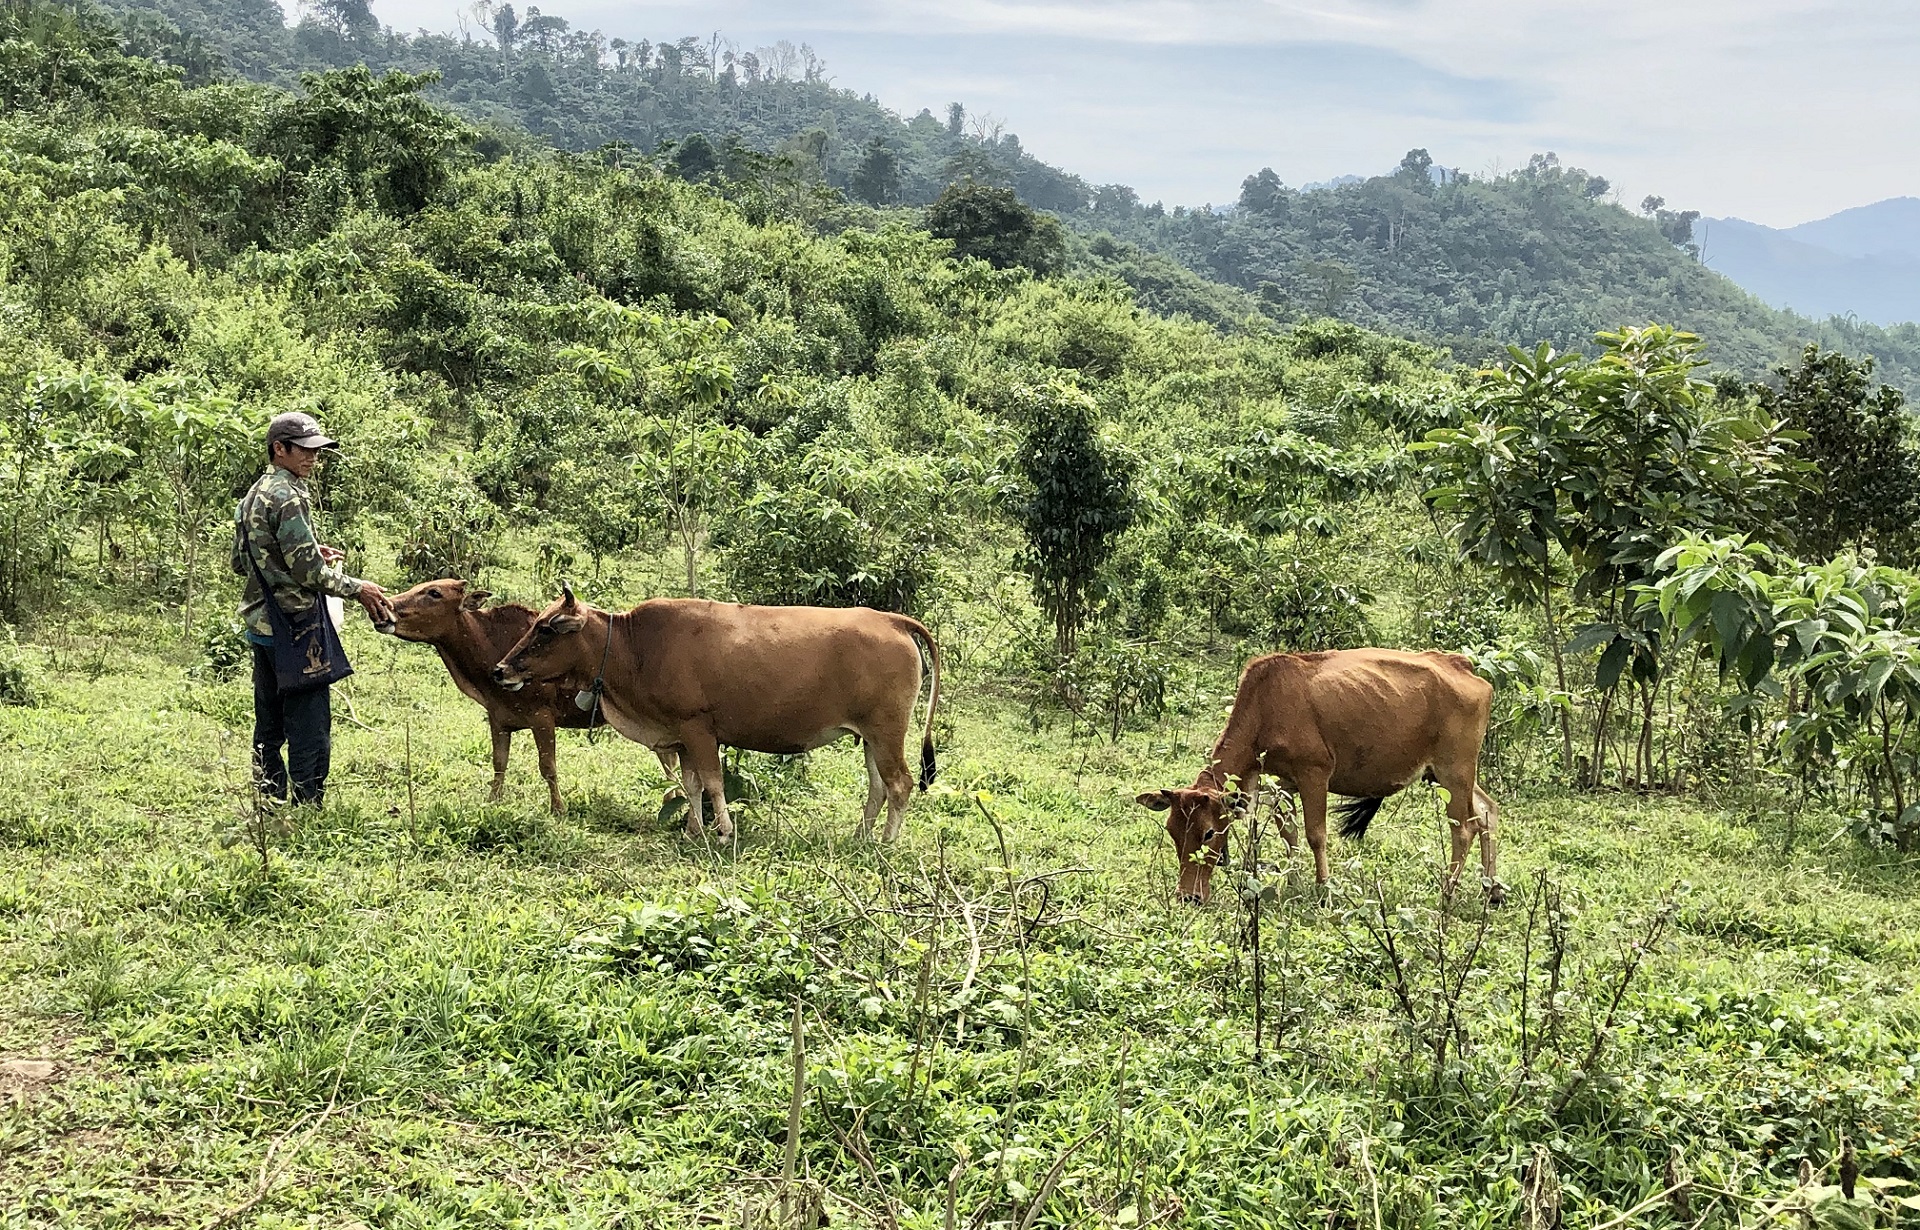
pixel 275 537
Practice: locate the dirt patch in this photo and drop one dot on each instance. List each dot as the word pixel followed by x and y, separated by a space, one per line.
pixel 26 1077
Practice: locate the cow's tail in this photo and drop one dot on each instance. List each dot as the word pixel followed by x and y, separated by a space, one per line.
pixel 928 766
pixel 1356 814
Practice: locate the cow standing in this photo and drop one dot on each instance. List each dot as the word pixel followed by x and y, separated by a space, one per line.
pixel 1365 723
pixel 688 676
pixel 470 638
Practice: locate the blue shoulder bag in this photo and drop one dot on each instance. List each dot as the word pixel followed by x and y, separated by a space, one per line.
pixel 307 653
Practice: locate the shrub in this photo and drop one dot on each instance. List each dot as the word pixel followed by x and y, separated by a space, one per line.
pixel 18 680
pixel 223 651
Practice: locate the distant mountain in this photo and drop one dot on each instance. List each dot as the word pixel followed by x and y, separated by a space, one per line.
pixel 1861 262
pixel 1885 228
pixel 1475 263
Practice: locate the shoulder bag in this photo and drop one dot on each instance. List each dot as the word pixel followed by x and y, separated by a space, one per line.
pixel 307 653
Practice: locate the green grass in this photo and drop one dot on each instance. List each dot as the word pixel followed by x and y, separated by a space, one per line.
pixel 456 1014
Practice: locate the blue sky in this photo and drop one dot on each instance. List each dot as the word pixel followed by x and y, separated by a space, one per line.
pixel 1778 111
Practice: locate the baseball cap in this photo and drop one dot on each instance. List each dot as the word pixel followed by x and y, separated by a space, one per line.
pixel 298 428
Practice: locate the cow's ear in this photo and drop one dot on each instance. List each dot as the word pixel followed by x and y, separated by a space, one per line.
pixel 1155 800
pixel 565 625
pixel 1237 802
pixel 473 599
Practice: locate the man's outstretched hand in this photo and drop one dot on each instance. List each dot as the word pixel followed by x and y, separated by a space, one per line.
pixel 374 600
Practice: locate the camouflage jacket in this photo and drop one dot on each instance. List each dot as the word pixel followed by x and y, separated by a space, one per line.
pixel 275 526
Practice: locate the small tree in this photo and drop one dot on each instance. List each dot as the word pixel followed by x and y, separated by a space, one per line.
pixel 1858 437
pixel 688 463
pixel 1612 460
pixel 877 179
pixel 992 224
pixel 1076 500
pixel 199 443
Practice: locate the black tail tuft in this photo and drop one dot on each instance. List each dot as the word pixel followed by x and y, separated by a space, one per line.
pixel 927 766
pixel 1355 815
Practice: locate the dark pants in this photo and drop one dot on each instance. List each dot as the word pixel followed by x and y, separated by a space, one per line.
pixel 301 721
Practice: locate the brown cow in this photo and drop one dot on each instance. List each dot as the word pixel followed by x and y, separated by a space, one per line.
pixel 1365 723
pixel 470 638
pixel 688 676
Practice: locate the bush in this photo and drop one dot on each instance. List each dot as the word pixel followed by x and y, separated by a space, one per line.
pixel 840 529
pixel 18 680
pixel 224 651
pixel 750 947
pixel 449 534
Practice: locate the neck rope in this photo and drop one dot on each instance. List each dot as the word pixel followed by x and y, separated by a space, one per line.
pixel 589 700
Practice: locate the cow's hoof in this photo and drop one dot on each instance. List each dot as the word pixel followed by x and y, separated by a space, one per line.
pixel 1496 893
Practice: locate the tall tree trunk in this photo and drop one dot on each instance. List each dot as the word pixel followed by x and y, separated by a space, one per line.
pixel 1644 767
pixel 1603 714
pixel 1901 840
pixel 190 543
pixel 689 525
pixel 1559 667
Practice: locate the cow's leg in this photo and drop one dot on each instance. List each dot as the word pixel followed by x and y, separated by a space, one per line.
pixel 543 741
pixel 1313 816
pixel 1463 822
pixel 690 788
pixel 701 770
pixel 1489 862
pixel 898 779
pixel 876 791
pixel 502 744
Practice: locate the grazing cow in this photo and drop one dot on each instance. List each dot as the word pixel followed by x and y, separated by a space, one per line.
pixel 688 676
pixel 1365 723
pixel 470 638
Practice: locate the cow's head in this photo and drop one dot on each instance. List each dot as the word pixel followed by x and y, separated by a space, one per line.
pixel 552 649
pixel 1198 821
pixel 430 611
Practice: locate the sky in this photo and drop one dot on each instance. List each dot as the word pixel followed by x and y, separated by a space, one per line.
pixel 1776 111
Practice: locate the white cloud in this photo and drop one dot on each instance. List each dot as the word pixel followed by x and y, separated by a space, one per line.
pixel 1774 110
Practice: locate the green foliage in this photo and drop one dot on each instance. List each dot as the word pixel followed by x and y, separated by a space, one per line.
pixel 536 357
pixel 1861 441
pixel 752 947
pixel 1607 463
pixel 1840 633
pixel 361 140
pixel 831 528
pixel 993 225
pixel 449 531
pixel 876 180
pixel 1074 499
pixel 1475 263
pixel 18 679
pixel 224 651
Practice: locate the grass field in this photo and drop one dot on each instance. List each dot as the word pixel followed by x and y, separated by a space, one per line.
pixel 426 1011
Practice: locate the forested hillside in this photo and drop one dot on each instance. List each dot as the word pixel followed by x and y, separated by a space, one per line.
pixel 1538 254
pixel 1470 263
pixel 610 352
